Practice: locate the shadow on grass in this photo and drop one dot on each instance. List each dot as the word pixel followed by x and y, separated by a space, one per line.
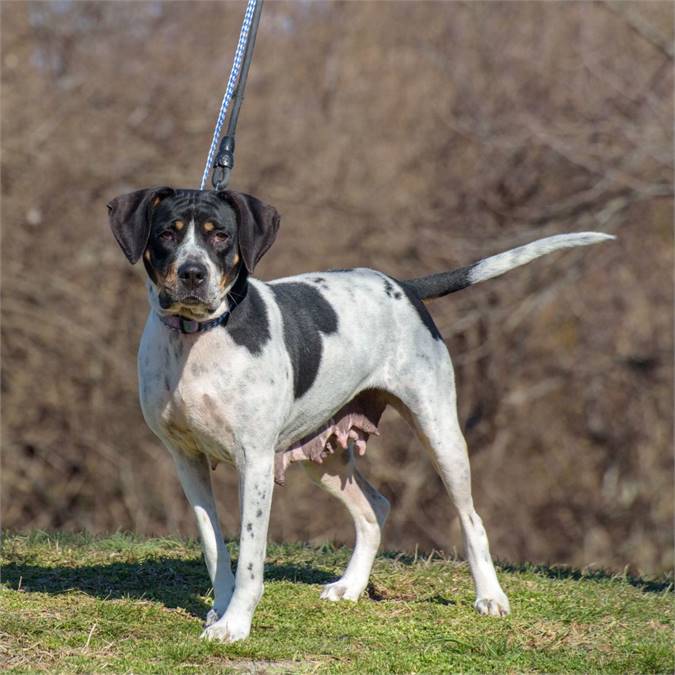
pixel 175 583
pixel 657 585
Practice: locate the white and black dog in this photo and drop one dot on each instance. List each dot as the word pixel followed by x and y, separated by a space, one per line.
pixel 263 374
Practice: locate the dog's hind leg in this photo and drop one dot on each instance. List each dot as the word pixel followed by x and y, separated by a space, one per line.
pixel 195 477
pixel 339 476
pixel 431 408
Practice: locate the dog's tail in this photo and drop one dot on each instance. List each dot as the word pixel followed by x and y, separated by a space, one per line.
pixel 438 285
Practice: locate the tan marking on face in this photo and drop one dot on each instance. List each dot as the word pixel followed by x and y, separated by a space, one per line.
pixel 179 225
pixel 171 277
pixel 208 226
pixel 150 268
pixel 230 276
pixel 156 201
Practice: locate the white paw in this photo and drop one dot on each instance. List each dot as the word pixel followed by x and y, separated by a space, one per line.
pixel 227 629
pixel 342 590
pixel 497 606
pixel 220 605
pixel 211 618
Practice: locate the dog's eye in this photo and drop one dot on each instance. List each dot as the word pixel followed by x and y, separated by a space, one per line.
pixel 219 237
pixel 167 235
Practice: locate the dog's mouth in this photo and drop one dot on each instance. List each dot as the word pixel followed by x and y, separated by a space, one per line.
pixel 191 305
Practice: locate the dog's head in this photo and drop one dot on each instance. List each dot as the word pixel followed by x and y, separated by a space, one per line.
pixel 194 243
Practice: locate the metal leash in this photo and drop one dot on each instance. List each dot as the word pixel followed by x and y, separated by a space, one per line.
pixel 236 83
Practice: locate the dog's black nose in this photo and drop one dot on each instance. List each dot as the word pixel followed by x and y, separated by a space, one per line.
pixel 192 274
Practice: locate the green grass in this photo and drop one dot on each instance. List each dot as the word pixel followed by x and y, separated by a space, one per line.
pixel 124 604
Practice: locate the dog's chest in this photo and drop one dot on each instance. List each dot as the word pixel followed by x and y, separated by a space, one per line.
pixel 183 392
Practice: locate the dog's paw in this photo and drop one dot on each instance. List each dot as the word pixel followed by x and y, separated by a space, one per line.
pixel 220 605
pixel 227 629
pixel 342 590
pixel 211 618
pixel 497 606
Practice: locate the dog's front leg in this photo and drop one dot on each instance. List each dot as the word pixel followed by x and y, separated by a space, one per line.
pixel 195 477
pixel 256 486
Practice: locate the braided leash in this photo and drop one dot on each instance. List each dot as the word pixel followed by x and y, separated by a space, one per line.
pixel 231 86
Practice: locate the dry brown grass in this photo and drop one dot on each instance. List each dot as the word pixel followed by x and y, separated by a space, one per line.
pixel 410 137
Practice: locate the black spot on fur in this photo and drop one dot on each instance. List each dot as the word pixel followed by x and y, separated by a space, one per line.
pixel 249 567
pixel 391 290
pixel 421 310
pixel 249 527
pixel 249 326
pixel 258 514
pixel 388 288
pixel 306 315
pixel 318 280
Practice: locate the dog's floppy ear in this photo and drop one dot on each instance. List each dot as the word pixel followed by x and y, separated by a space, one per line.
pixel 129 216
pixel 258 224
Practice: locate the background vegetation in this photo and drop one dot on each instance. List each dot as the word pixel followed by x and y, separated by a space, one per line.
pixel 411 137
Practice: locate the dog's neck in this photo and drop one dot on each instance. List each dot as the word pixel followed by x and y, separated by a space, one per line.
pixel 190 326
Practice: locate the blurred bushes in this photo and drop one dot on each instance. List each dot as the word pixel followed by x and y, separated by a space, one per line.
pixel 410 137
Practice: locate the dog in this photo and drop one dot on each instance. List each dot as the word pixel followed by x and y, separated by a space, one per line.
pixel 261 375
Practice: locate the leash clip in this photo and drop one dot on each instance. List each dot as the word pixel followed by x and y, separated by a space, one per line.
pixel 223 164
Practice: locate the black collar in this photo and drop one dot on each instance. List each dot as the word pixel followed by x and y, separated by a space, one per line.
pixel 190 326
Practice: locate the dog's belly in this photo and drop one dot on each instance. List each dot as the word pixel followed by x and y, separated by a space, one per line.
pixel 350 427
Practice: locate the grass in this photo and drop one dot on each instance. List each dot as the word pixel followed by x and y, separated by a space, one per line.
pixel 74 603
